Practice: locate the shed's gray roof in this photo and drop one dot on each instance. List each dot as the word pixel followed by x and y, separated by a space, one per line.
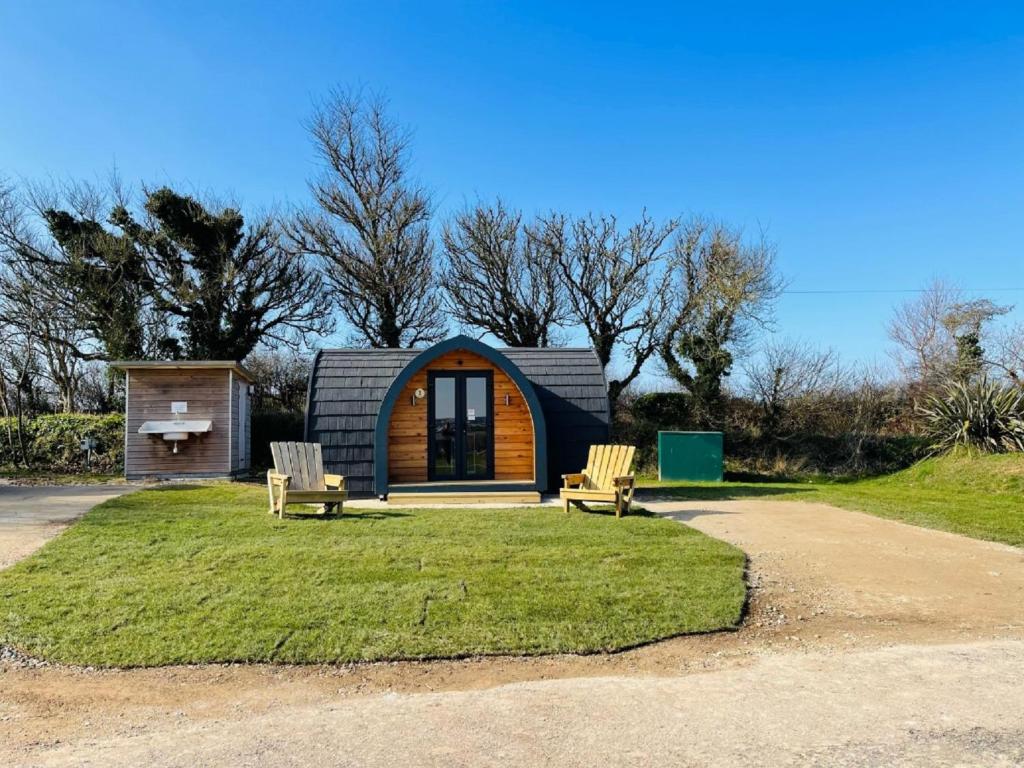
pixel 347 386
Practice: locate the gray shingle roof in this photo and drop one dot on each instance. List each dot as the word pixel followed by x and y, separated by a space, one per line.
pixel 348 385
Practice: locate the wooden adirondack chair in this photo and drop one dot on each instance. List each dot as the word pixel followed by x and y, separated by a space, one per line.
pixel 606 478
pixel 298 478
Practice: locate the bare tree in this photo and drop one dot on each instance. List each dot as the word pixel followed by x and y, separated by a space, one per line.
pixel 281 379
pixel 613 285
pixel 924 349
pixel 50 332
pixel 501 275
pixel 38 319
pixel 720 289
pixel 793 375
pixel 18 364
pixel 99 389
pixel 9 338
pixel 371 227
pixel 940 334
pixel 870 407
pixel 56 238
pixel 1007 354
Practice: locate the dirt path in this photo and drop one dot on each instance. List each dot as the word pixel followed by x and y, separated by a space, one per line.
pixel 846 659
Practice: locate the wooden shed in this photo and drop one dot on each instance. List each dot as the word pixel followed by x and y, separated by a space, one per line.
pixel 460 418
pixel 186 418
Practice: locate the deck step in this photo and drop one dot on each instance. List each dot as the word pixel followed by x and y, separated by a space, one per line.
pixel 465 497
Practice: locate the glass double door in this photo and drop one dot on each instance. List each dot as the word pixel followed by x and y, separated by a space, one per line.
pixel 460 425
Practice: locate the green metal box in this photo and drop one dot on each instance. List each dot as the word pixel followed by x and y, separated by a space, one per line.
pixel 690 456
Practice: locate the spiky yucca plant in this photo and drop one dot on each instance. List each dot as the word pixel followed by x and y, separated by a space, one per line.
pixel 981 414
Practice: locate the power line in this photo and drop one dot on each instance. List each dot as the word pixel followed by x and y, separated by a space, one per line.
pixel 897 290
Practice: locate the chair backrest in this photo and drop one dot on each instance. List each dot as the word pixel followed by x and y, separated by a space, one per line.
pixel 605 463
pixel 303 462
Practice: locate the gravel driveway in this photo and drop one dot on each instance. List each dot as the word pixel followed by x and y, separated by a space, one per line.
pixel 868 642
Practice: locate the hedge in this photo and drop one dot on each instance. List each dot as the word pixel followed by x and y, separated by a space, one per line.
pixel 52 442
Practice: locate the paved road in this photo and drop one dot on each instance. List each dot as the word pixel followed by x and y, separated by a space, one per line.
pixel 869 643
pixel 31 515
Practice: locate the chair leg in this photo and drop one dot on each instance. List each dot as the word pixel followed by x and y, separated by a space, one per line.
pixel 618 504
pixel 270 492
pixel 281 502
pixel 565 506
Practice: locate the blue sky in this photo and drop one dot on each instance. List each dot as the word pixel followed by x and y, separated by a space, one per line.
pixel 880 145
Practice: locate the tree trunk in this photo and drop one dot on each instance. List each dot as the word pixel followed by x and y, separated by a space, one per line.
pixel 19 403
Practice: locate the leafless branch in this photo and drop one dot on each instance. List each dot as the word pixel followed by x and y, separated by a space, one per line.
pixel 720 288
pixel 612 284
pixel 370 228
pixel 501 275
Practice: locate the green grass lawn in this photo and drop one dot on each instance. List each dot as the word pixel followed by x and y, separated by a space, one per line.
pixel 204 574
pixel 976 495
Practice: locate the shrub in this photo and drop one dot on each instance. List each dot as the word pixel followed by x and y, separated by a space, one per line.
pixel 52 442
pixel 639 418
pixel 981 414
pixel 860 429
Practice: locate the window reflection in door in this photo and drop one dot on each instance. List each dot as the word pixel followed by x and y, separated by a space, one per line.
pixel 445 433
pixel 477 426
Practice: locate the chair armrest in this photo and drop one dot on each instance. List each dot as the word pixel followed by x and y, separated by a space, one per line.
pixel 575 478
pixel 276 478
pixel 626 481
pixel 334 481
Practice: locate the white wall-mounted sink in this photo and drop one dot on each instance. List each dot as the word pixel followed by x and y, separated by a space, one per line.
pixel 174 431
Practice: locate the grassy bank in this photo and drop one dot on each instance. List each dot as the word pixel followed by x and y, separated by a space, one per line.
pixel 204 574
pixel 975 495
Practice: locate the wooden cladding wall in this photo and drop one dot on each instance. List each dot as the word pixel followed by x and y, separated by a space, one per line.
pixel 150 393
pixel 513 426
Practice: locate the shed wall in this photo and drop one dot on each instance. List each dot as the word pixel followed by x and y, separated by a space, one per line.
pixel 150 393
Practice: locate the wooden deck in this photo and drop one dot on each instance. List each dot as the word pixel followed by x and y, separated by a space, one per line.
pixel 464 492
